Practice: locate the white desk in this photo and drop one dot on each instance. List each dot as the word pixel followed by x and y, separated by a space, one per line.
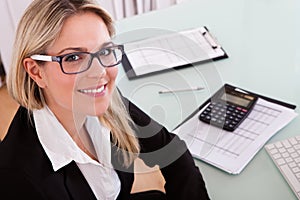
pixel 262 40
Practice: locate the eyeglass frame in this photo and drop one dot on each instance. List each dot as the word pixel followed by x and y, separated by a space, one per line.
pixel 59 59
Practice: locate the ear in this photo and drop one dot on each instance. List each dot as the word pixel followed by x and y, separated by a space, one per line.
pixel 34 71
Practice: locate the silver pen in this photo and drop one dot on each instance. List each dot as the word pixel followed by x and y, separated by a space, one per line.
pixel 180 90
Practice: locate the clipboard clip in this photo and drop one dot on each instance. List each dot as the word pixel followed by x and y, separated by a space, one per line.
pixel 209 38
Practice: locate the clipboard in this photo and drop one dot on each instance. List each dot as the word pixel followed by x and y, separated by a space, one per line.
pixel 171 51
pixel 232 151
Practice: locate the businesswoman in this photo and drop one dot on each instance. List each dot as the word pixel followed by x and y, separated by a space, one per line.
pixel 74 136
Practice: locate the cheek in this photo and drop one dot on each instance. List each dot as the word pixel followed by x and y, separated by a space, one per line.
pixel 55 76
pixel 112 73
pixel 63 82
pixel 60 86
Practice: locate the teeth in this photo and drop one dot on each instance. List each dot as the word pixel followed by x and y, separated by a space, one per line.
pixel 93 90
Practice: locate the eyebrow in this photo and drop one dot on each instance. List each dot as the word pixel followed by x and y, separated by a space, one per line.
pixel 81 48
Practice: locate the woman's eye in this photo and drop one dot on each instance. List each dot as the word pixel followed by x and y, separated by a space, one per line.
pixel 105 52
pixel 72 57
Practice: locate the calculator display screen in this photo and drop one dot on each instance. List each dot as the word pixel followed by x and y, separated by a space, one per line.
pixel 235 99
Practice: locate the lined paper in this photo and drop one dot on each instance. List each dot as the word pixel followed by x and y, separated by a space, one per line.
pixel 232 151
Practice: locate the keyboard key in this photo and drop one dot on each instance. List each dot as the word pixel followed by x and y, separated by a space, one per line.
pixel 285 155
pixel 281 161
pixel 286 144
pixel 288 160
pixel 293 141
pixel 291 150
pixel 278 144
pixel 270 146
pixel 293 164
pixel 294 155
pixel 276 156
pixel 297 146
pixel 273 151
pixel 296 169
pixel 282 150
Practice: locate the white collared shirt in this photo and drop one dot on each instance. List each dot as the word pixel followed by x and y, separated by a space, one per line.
pixel 61 150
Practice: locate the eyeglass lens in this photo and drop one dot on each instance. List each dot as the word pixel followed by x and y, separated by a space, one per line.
pixel 80 61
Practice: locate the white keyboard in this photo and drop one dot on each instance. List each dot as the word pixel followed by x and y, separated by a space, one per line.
pixel 286 156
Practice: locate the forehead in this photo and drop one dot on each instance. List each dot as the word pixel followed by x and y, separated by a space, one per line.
pixel 85 30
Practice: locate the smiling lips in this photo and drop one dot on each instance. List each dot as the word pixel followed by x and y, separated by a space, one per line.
pixel 94 92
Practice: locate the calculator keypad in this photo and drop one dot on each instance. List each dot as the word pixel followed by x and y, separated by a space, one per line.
pixel 224 115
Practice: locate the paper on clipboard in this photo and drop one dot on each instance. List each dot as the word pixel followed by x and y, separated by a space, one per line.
pixel 232 151
pixel 170 51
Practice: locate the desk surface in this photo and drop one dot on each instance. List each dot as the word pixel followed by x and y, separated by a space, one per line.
pixel 262 41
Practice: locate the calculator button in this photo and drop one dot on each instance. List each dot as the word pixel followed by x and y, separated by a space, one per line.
pixel 231 126
pixel 217 108
pixel 242 113
pixel 220 121
pixel 213 120
pixel 239 116
pixel 227 122
pixel 234 122
pixel 231 109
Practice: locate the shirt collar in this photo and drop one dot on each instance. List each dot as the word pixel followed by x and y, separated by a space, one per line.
pixel 60 147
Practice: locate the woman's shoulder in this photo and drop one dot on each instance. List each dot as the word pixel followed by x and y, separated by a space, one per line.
pixel 21 139
pixel 22 122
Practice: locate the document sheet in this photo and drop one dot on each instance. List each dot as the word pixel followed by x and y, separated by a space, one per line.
pixel 232 151
pixel 172 50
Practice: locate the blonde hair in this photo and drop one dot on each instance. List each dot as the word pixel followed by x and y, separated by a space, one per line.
pixel 37 30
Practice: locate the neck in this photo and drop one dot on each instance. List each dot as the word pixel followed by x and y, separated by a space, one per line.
pixel 84 142
pixel 73 123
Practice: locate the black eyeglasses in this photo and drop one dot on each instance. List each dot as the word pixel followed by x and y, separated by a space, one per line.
pixel 77 62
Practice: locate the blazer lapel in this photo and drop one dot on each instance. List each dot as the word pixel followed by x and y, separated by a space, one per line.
pixel 126 175
pixel 76 183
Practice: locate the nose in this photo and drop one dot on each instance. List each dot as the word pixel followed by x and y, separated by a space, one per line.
pixel 96 68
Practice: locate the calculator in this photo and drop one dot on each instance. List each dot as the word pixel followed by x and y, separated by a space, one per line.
pixel 228 107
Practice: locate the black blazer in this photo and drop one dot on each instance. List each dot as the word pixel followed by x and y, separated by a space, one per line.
pixel 26 171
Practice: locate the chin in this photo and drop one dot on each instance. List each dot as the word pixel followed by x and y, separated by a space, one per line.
pixel 100 109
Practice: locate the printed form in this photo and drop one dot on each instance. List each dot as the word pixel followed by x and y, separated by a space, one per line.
pixel 232 151
pixel 172 50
